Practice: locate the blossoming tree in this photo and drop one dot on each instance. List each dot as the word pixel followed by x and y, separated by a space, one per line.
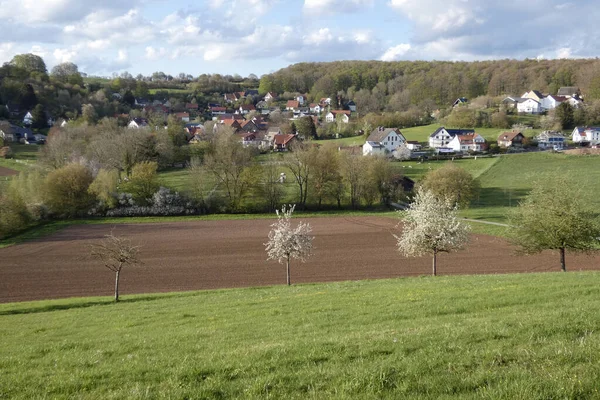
pixel 431 226
pixel 286 242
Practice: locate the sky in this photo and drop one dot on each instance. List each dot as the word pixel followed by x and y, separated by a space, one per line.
pixel 262 36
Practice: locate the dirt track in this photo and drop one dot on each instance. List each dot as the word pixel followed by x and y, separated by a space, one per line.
pixel 8 172
pixel 217 254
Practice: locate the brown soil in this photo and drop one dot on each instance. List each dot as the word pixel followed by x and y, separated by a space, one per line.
pixel 219 254
pixel 7 172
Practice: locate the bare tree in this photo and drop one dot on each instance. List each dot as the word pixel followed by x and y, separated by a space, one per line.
pixel 300 162
pixel 287 242
pixel 115 253
pixel 431 226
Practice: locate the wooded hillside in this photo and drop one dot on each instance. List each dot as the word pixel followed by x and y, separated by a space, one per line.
pixel 394 86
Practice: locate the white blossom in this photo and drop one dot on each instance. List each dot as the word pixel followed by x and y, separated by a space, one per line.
pixel 431 226
pixel 286 242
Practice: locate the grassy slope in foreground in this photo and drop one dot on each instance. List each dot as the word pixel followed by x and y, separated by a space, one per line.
pixel 494 336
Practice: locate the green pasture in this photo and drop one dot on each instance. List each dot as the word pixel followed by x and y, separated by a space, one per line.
pixel 524 336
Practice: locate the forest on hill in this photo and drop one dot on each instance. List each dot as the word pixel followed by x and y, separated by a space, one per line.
pixel 395 86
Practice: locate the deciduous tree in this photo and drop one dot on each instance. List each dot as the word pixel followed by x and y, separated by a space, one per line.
pixel 554 217
pixel 287 242
pixel 452 182
pixel 116 253
pixel 431 226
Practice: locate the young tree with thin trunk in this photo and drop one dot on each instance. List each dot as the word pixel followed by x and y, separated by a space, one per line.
pixel 287 242
pixel 116 253
pixel 554 217
pixel 431 226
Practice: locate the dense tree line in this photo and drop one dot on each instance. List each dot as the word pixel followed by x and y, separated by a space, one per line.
pixel 395 86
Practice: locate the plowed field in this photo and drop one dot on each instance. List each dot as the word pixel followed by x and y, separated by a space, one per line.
pixel 219 254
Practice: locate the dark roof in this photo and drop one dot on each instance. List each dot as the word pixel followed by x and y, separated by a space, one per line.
pixel 509 135
pixel 568 91
pixel 380 133
pixel 454 132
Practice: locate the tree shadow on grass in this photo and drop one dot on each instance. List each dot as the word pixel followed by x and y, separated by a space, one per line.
pixel 43 308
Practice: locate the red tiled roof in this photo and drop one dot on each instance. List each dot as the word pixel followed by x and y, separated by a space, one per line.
pixel 293 104
pixel 282 139
pixel 191 106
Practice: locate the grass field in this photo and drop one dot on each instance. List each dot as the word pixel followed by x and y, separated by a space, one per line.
pixel 494 336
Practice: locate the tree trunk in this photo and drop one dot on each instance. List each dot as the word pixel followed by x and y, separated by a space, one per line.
pixel 563 265
pixel 288 271
pixel 434 263
pixel 117 285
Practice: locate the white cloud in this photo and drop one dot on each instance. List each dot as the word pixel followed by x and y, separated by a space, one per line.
pixel 467 29
pixel 328 7
pixel 155 54
pixel 395 53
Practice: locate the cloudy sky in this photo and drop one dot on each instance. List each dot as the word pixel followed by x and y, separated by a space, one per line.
pixel 260 36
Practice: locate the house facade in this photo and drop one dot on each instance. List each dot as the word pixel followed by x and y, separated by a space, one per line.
pixel 442 136
pixel 551 140
pixel 511 139
pixel 550 102
pixel 586 135
pixel 383 140
pixel 469 142
pixel 332 115
pixel 529 106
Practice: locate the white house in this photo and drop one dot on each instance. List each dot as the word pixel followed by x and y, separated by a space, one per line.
pixel 442 136
pixel 529 106
pixel 331 116
pixel 413 145
pixel 315 108
pixel 383 140
pixel 28 119
pixel 270 96
pixel 551 140
pixel 550 102
pixel 470 142
pixel 584 135
pixel 138 123
pixel 300 99
pixel 574 102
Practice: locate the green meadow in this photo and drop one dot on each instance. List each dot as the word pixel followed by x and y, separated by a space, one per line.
pixel 526 336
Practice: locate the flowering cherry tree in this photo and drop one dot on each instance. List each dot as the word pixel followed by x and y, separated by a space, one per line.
pixel 286 242
pixel 431 226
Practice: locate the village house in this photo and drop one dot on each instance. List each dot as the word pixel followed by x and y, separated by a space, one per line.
pixel 233 124
pixel 283 142
pixel 270 96
pixel 460 101
pixel 246 108
pixel 292 105
pixel 351 106
pixel 382 141
pixel 137 123
pixel 28 119
pixel 529 106
pixel 469 142
pixel 413 145
pixel 569 91
pixel 184 116
pixel 314 108
pixel 141 102
pixel 332 116
pixel 301 99
pixel 231 97
pixel 248 126
pixel 191 107
pixel 534 95
pixel 218 110
pixel 511 139
pixel 442 136
pixel 551 140
pixel 589 135
pixel 550 102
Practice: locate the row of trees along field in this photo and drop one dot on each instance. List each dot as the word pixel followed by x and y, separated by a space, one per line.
pixel 107 170
pixel 430 226
pixel 374 86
